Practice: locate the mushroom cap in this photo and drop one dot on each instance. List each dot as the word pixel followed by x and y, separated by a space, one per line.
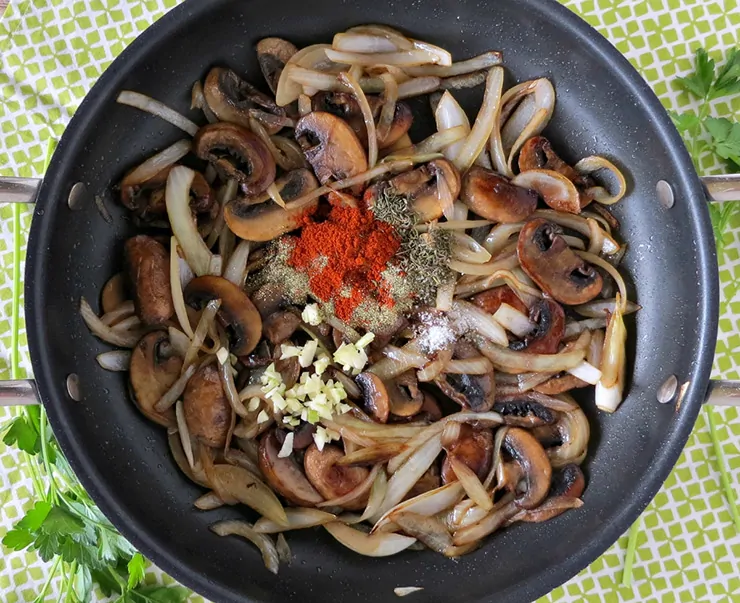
pixel 560 384
pixel 272 55
pixel 330 146
pixel 492 299
pixel 474 447
pixel 548 261
pixel 403 118
pixel 549 317
pixel 476 392
pixel 207 410
pixel 493 197
pixel 237 313
pixel 154 369
pixel 147 199
pixel 538 154
pixel 237 154
pixel 375 396
pixel 523 410
pixel 568 481
pixel 405 397
pixel 528 453
pixel 148 264
pixel 261 219
pixel 284 475
pixel 330 479
pixel 280 326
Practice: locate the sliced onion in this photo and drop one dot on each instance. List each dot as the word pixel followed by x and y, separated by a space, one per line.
pixel 463 514
pixel 509 361
pixel 484 123
pixel 498 238
pixel 590 165
pixel 127 324
pixel 176 287
pixel 408 358
pixel 513 320
pixel 466 249
pixel 363 43
pixel 288 90
pixel 435 143
pixel 125 310
pixel 460 214
pixel 261 541
pixel 388 368
pixel 596 348
pixel 418 86
pixel 613 363
pixel 155 164
pixel 283 549
pixel 479 63
pixel 469 317
pixel 554 188
pixel 472 485
pixel 526 118
pixel 445 295
pixel 435 368
pixel 479 365
pixel 428 530
pixel 227 381
pixel 501 512
pixel 292 156
pixel 184 432
pixel 414 444
pixel 587 372
pixel 404 58
pixel 377 495
pixel 403 591
pixel 577 327
pixel 237 267
pixel 196 473
pixel 370 545
pixel 236 483
pixel 426 504
pixel 451 433
pixel 354 495
pixel 448 115
pixel 117 361
pixel 603 307
pixel 528 294
pixel 175 391
pixel 580 225
pixel 376 430
pixel 123 339
pixel 508 262
pixel 372 140
pixel 298 519
pixel 388 110
pixel 498 441
pixel 394 36
pixel 576 243
pixel 612 271
pixel 149 105
pixel 208 502
pixel 201 330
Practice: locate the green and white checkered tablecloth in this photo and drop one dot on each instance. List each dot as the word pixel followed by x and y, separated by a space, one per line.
pixel 51 53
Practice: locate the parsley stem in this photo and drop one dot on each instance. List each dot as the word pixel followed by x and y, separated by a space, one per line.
pixel 629 559
pixel 45 456
pixel 722 465
pixel 123 586
pixel 54 568
pixel 70 582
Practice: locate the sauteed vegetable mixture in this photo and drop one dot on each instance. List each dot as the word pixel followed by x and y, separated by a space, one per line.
pixel 340 326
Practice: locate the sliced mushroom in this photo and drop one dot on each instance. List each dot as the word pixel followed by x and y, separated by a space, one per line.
pixel 430 410
pixel 331 147
pixel 237 154
pixel 153 370
pixel 302 436
pixel 429 481
pixel 147 199
pixel 492 299
pixel 568 484
pixel 404 395
pixel 476 392
pixel 284 475
pixel 538 154
pixel 566 440
pixel 374 396
pixel 272 55
pixel 474 447
pixel 403 118
pixel 549 317
pixel 235 100
pixel 269 298
pixel 260 219
pixel 523 410
pixel 148 265
pixel 493 197
pixel 560 384
pixel 280 326
pixel 330 479
pixel 237 313
pixel 548 261
pixel 528 453
pixel 114 293
pixel 207 410
pixel 289 369
pixel 424 187
pixel 555 189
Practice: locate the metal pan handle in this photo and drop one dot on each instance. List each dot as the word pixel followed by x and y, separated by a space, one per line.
pixel 18 190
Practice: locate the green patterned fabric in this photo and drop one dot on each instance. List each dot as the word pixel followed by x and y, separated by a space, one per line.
pixel 52 51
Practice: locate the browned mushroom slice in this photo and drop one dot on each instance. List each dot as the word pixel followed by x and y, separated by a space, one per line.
pixel 374 396
pixel 236 154
pixel 284 474
pixel 492 299
pixel 549 317
pixel 474 447
pixel 404 395
pixel 269 298
pixel 235 100
pixel 568 484
pixel 528 453
pixel 258 219
pixel 538 154
pixel 566 440
pixel 546 258
pixel 154 369
pixel 476 392
pixel 280 326
pixel 430 409
pixel 493 197
pixel 560 384
pixel 345 106
pixel 237 313
pixel 523 410
pixel 150 197
pixel 272 55
pixel 403 118
pixel 555 189
pixel 422 188
pixel 289 369
pixel 330 479
pixel 148 265
pixel 207 411
pixel 331 147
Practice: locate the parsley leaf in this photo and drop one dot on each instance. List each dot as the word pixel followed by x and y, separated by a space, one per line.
pixel 685 122
pixel 725 136
pixel 136 570
pixel 728 80
pixel 158 594
pixel 700 82
pixel 23 435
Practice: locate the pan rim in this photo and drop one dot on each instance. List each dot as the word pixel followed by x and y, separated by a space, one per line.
pixel 657 472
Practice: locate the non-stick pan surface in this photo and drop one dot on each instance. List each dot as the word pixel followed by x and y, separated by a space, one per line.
pixel 603 107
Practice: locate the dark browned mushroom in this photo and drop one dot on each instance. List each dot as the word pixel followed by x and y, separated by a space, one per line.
pixel 154 369
pixel 269 298
pixel 565 440
pixel 289 369
pixel 207 411
pixel 404 395
pixel 474 447
pixel 148 266
pixel 549 318
pixel 493 197
pixel 546 258
pixel 236 154
pixel 528 453
pixel 374 396
pixel 421 187
pixel 280 326
pixel 555 189
pixel 430 409
pixel 272 55
pixel 476 392
pixel 568 484
pixel 302 436
pixel 237 313
pixel 403 118
pixel 284 475
pixel 492 299
pixel 560 384
pixel 538 154
pixel 523 410
pixel 260 219
pixel 235 100
pixel 331 147
pixel 330 479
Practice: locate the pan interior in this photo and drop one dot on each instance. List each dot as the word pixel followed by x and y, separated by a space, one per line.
pixel 602 108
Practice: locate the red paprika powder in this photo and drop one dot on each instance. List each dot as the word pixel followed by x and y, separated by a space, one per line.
pixel 345 257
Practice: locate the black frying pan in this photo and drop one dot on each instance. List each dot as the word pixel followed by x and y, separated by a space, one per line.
pixel 603 107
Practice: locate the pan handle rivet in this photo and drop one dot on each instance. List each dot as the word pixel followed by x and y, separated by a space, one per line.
pixel 667 391
pixel 73 387
pixel 76 199
pixel 665 194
